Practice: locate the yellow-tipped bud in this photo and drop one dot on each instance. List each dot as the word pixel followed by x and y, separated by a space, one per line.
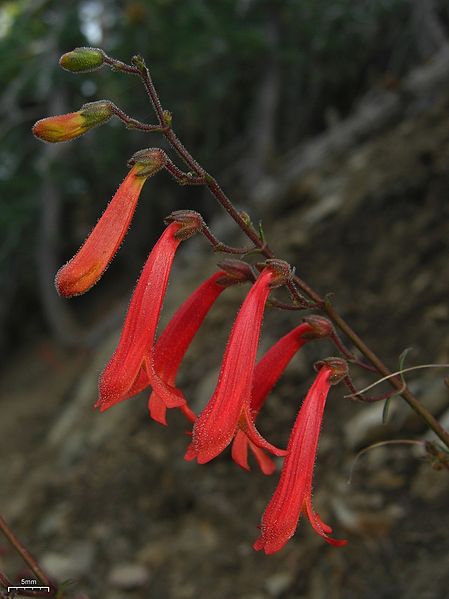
pixel 64 127
pixel 82 60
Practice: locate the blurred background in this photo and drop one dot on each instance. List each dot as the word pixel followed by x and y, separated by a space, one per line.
pixel 328 120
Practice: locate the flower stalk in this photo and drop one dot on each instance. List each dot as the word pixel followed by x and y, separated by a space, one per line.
pixel 141 361
pixel 297 284
pixel 30 561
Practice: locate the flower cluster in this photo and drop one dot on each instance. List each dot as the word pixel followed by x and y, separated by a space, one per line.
pixel 145 360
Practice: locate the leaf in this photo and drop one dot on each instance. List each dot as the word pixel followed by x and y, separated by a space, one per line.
pixel 386 410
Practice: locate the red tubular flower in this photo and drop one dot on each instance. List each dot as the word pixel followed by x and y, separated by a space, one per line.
pixel 141 322
pixel 293 494
pixel 266 374
pixel 92 259
pixel 174 341
pixel 230 402
pixel 177 336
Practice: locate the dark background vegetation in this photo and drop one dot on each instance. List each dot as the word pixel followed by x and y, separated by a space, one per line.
pixel 329 119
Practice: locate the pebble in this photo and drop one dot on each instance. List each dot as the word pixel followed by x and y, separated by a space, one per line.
pixel 77 560
pixel 278 583
pixel 128 576
pixel 363 427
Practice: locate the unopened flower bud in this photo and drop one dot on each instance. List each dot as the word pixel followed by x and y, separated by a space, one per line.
pixel 64 127
pixel 245 217
pixel 168 118
pixel 320 327
pixel 338 366
pixel 82 60
pixel 191 223
pixel 96 113
pixel 236 271
pixel 148 162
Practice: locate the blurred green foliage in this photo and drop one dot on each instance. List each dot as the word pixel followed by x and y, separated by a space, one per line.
pixel 207 59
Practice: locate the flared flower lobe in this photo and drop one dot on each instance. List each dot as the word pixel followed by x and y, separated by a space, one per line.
pixel 173 343
pixel 266 374
pixel 177 336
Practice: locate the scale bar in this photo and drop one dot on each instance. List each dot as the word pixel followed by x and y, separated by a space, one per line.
pixel 33 588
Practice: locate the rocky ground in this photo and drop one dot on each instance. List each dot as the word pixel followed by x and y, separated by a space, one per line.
pixel 107 499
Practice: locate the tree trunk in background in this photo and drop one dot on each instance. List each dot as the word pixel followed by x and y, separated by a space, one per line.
pixel 429 34
pixel 372 115
pixel 56 310
pixel 262 131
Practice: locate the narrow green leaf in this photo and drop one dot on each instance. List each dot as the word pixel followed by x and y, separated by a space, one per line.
pixel 387 404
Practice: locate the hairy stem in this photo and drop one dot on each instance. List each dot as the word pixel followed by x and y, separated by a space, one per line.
pixel 139 68
pixel 27 558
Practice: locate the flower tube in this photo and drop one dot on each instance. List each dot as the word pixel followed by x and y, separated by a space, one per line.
pixel 175 339
pixel 217 424
pixel 92 259
pixel 141 321
pixel 293 495
pixel 266 374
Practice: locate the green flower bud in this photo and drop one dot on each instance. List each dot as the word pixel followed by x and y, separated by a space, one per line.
pixel 96 113
pixel 82 60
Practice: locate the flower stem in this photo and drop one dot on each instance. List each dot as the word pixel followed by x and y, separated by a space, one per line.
pixel 27 558
pixel 139 68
